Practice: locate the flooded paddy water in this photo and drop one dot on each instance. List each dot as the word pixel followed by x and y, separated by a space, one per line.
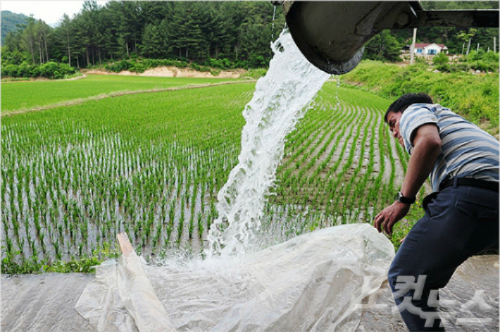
pixel 82 174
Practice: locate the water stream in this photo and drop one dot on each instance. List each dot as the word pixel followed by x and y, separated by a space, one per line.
pixel 281 98
pixel 311 282
pixel 272 27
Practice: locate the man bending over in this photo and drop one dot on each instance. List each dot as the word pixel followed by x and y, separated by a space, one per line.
pixel 461 215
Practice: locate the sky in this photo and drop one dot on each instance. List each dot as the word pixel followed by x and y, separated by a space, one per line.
pixel 49 11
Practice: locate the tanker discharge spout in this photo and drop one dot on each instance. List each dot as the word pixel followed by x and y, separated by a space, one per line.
pixel 332 34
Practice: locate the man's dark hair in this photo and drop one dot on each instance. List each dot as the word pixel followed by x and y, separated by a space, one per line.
pixel 402 103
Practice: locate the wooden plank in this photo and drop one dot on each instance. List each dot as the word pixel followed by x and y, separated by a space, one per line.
pixel 125 245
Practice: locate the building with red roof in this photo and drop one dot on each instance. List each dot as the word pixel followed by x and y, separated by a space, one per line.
pixel 430 49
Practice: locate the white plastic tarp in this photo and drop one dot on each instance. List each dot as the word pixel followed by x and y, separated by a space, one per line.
pixel 314 282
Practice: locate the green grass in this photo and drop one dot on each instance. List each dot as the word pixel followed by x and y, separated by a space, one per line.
pixel 27 95
pixel 474 96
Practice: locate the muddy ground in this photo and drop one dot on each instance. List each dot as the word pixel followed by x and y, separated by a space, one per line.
pixel 172 72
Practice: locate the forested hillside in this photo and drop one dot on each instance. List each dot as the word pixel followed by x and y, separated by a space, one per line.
pixel 226 34
pixel 197 31
pixel 10 22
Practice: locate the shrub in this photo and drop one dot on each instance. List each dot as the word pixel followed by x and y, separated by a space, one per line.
pixel 461 66
pixel 118 66
pixel 197 67
pixel 48 70
pixel 481 65
pixel 420 59
pixel 10 70
pixel 219 63
pixel 215 72
pixel 180 64
pixel 194 66
pixel 256 73
pixel 138 68
pixel 491 57
pixel 66 69
pixel 444 68
pixel 140 65
pixel 440 59
pixel 36 71
pixel 24 70
pixel 58 75
pixel 257 61
pixel 475 55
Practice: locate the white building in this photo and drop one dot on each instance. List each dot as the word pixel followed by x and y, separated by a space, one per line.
pixel 430 49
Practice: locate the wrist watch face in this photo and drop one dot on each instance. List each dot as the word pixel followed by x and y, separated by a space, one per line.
pixel 405 200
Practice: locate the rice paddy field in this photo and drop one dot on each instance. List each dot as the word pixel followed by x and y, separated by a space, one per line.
pixel 22 96
pixel 151 164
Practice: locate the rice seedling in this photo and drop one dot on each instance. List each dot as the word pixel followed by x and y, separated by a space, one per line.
pixel 152 164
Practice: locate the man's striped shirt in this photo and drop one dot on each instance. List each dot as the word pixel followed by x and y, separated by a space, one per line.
pixel 467 151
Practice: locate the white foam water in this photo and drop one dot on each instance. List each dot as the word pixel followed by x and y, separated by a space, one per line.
pixel 281 98
pixel 313 282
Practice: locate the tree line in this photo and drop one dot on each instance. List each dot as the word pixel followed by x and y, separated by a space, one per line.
pixel 237 33
pixel 186 30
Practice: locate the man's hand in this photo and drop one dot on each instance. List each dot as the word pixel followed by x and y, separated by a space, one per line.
pixel 390 215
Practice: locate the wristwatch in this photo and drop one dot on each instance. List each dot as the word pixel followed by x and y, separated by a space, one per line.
pixel 405 200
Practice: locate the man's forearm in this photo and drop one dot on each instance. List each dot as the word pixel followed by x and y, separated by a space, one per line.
pixel 422 160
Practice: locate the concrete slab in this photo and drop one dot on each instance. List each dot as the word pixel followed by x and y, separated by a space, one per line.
pixel 469 302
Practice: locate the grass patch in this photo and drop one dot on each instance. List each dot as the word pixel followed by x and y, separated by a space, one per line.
pixel 255 73
pixel 83 264
pixel 26 95
pixel 474 96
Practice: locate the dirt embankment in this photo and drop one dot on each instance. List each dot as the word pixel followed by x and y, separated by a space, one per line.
pixel 172 72
pixel 152 72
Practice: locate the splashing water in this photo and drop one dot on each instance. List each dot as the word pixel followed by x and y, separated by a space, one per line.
pixel 337 99
pixel 312 282
pixel 272 28
pixel 281 98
